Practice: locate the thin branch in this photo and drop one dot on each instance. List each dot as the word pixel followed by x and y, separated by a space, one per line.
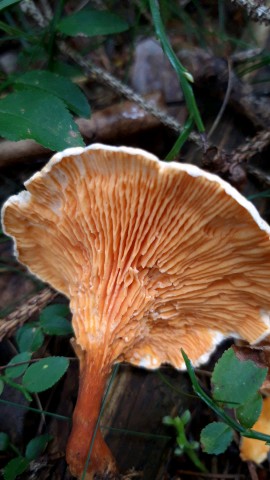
pixel 29 7
pixel 259 13
pixel 25 311
pixel 126 91
pixel 224 103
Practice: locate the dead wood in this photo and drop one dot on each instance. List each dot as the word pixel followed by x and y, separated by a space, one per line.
pixel 234 166
pixel 120 120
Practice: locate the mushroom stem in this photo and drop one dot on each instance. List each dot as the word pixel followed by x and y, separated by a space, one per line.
pixel 93 378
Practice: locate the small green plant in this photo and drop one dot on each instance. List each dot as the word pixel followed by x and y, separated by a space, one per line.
pixel 52 321
pixel 44 373
pixel 235 386
pixel 21 463
pixel 42 102
pixel 184 446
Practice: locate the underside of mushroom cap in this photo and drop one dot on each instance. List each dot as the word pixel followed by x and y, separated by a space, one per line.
pixel 154 257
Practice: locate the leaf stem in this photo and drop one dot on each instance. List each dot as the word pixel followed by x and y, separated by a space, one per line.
pixel 244 432
pixel 185 78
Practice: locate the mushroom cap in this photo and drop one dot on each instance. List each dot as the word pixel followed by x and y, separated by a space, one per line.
pixel 257 450
pixel 154 256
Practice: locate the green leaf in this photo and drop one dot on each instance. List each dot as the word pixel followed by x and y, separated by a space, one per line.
pixel 7 3
pixel 216 437
pixel 187 129
pixel 67 70
pixel 4 441
pixel 168 420
pixel 58 309
pixel 40 116
pixel 15 467
pixel 92 22
pixel 36 446
pixel 56 326
pixel 1 386
pixel 59 86
pixel 14 372
pixel 52 320
pixel 248 413
pixel 186 417
pixel 235 381
pixel 45 373
pixel 29 338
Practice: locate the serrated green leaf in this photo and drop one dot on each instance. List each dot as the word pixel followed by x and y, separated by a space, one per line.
pixel 59 86
pixel 92 22
pixel 15 467
pixel 44 374
pixel 40 116
pixel 7 3
pixel 56 326
pixel 1 386
pixel 36 446
pixel 216 437
pixel 235 381
pixel 248 413
pixel 14 372
pixel 29 338
pixel 4 441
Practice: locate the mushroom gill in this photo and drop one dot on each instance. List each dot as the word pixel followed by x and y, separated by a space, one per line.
pixel 154 257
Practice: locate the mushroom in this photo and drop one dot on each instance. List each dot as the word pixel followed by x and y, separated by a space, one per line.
pixel 153 256
pixel 256 450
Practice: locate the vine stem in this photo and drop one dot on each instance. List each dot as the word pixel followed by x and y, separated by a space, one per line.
pixel 244 432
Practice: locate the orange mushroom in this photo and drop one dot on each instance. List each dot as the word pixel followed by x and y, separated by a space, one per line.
pixel 256 450
pixel 154 257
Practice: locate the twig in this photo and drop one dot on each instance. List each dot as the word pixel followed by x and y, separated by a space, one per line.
pixel 126 91
pixel 251 147
pixel 216 476
pixel 28 7
pixel 260 13
pixel 47 9
pixel 252 471
pixel 259 174
pixel 22 313
pixel 225 101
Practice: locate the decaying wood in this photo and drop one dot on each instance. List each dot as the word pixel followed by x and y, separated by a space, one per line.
pixel 137 402
pixel 234 166
pixel 19 316
pixel 111 123
pixel 120 120
pixel 222 163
